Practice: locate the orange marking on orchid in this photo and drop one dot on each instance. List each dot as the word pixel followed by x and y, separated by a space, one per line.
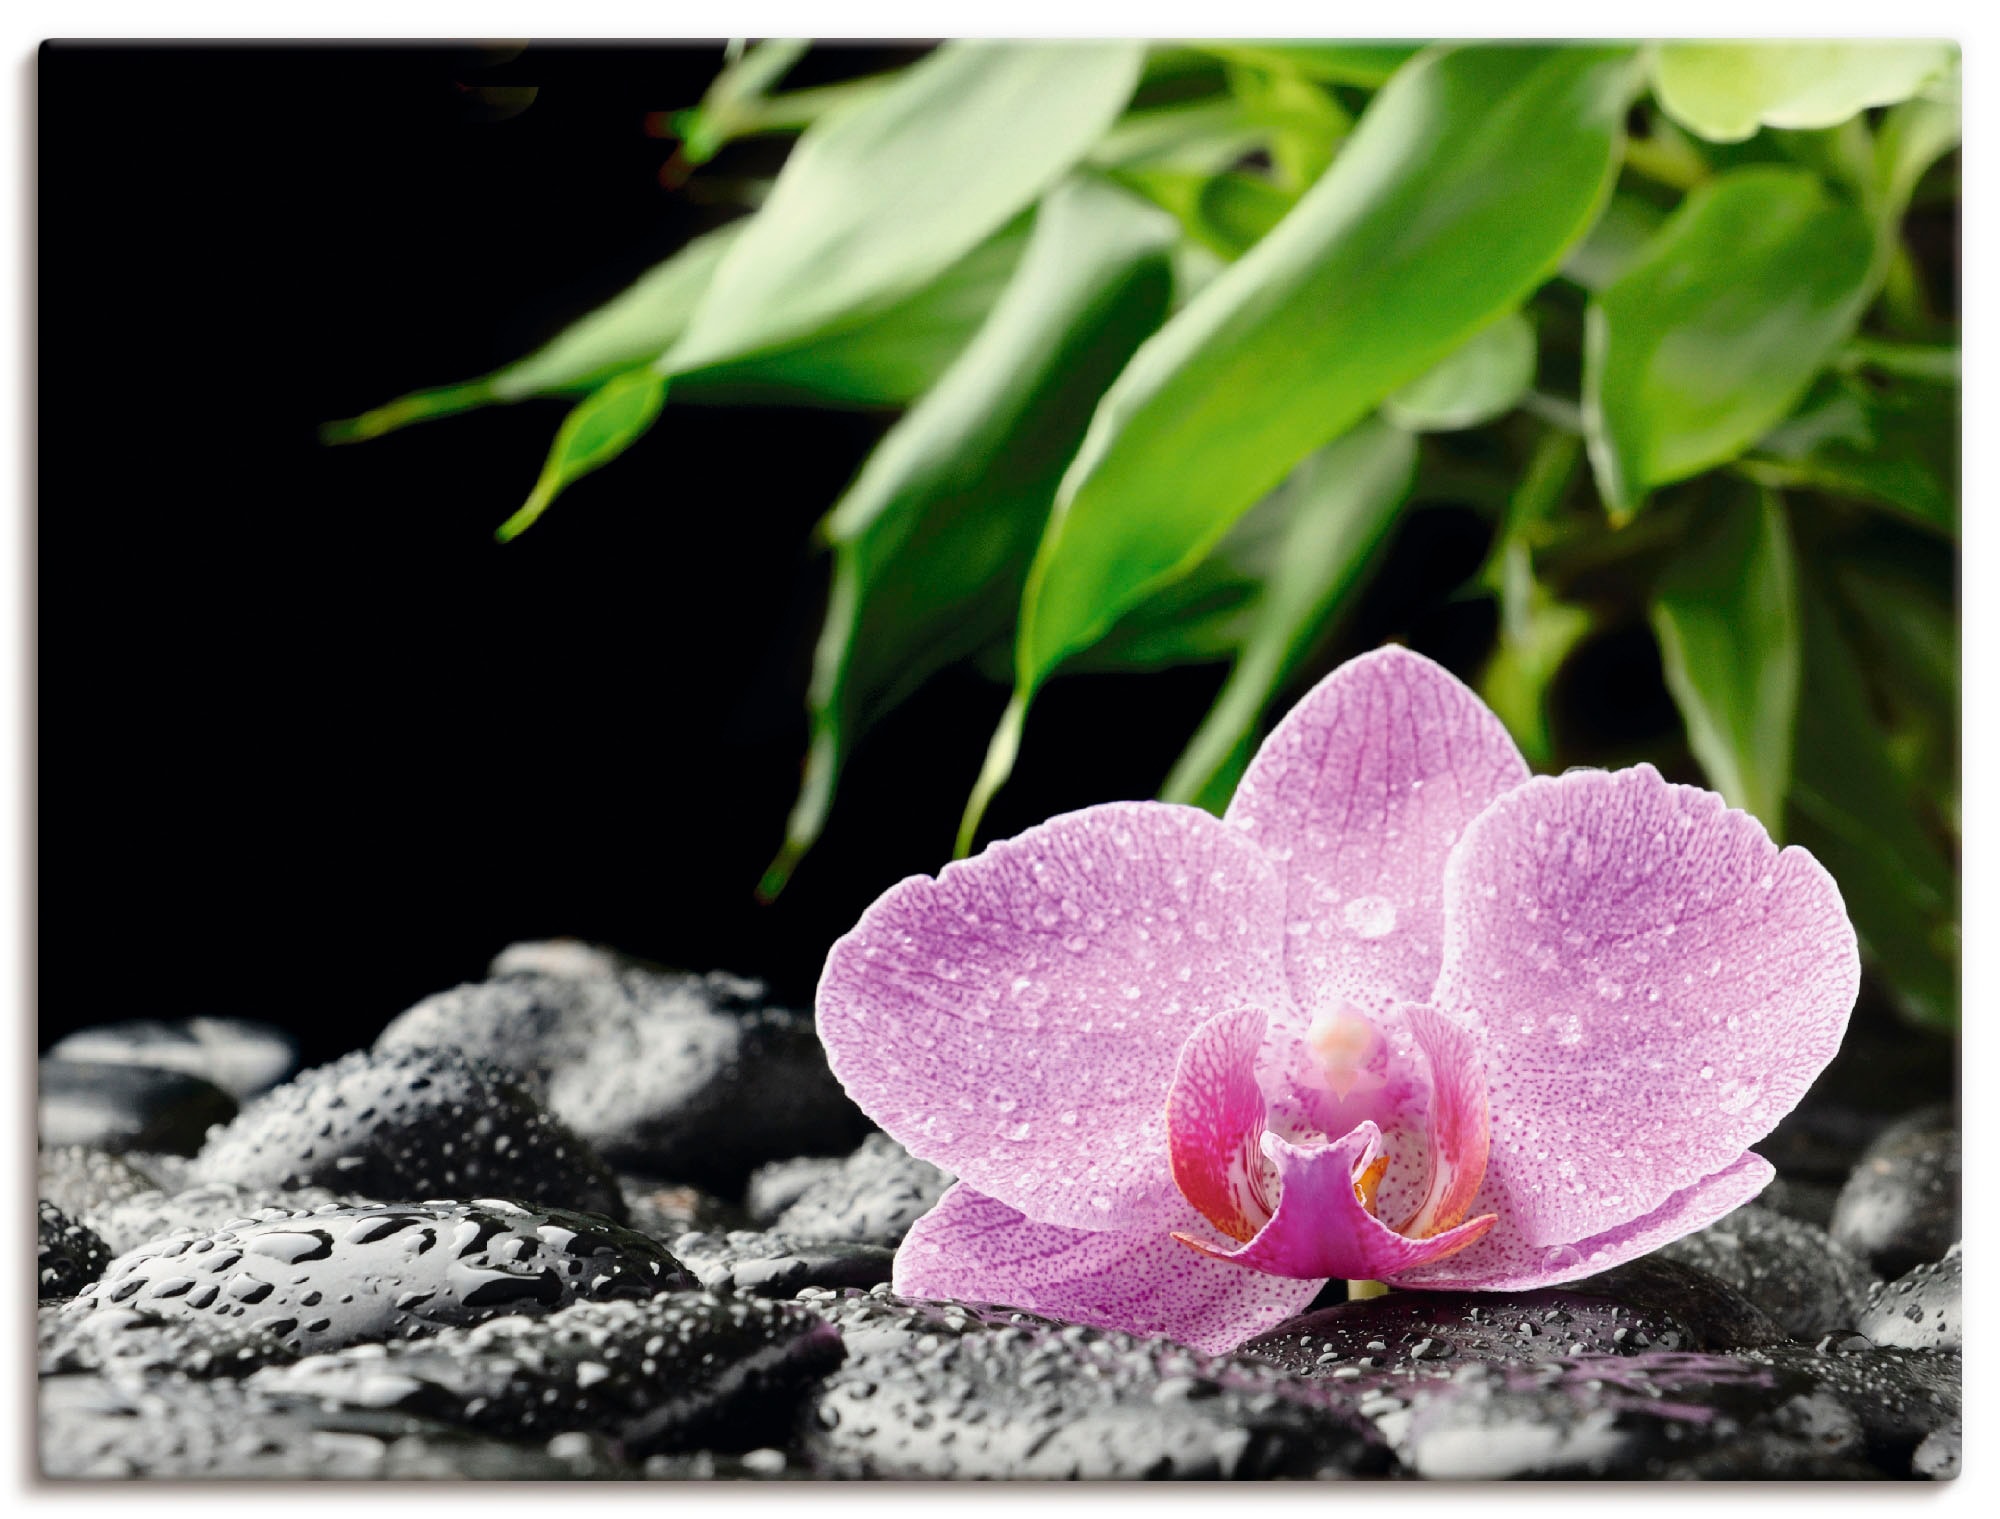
pixel 1369 1181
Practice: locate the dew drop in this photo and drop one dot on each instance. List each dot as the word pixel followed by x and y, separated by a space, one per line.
pixel 1369 917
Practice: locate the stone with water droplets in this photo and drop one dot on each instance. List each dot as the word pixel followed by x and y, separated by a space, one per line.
pixel 68 1255
pixel 239 1055
pixel 136 1345
pixel 667 1210
pixel 126 1107
pixel 1920 1310
pixel 83 1181
pixel 407 1124
pixel 135 1221
pixel 1939 1456
pixel 873 1196
pixel 776 1265
pixel 695 1079
pixel 97 1428
pixel 776 1185
pixel 673 1372
pixel 1805 1280
pixel 338 1276
pixel 933 1391
pixel 1900 1207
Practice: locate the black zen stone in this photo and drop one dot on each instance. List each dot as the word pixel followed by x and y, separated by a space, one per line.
pixel 1900 1207
pixel 934 1391
pixel 337 1276
pixel 873 1195
pixel 680 1371
pixel 1922 1309
pixel 410 1124
pixel 694 1079
pixel 773 1265
pixel 139 1220
pixel 134 1345
pixel 68 1256
pixel 127 1107
pixel 238 1055
pixel 1795 1272
pixel 82 1181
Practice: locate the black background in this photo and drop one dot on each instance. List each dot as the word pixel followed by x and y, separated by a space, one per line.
pixel 311 744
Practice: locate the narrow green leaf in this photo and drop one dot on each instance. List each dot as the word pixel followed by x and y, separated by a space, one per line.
pixel 1226 213
pixel 1726 616
pixel 1483 378
pixel 1724 91
pixel 598 429
pixel 1368 65
pixel 733 97
pixel 933 540
pixel 1712 337
pixel 1342 501
pixel 1852 808
pixel 1915 135
pixel 1468 178
pixel 1197 137
pixel 880 196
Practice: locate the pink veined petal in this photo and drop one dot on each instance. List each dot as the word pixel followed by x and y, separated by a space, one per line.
pixel 1017 1020
pixel 1215 1118
pixel 1360 793
pixel 1456 1132
pixel 1654 985
pixel 974 1249
pixel 1323 1229
pixel 1505 1262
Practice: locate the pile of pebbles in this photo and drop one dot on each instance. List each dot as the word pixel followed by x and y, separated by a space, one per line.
pixel 593 1219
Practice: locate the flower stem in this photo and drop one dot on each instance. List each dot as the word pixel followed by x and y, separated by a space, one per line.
pixel 1359 1292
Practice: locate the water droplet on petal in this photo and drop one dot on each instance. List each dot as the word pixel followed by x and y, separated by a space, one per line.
pixel 1369 917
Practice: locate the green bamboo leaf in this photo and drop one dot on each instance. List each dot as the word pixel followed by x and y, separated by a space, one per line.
pixel 933 540
pixel 1483 378
pixel 598 429
pixel 1341 503
pixel 1712 337
pixel 1915 135
pixel 882 195
pixel 1724 91
pixel 1469 177
pixel 1226 213
pixel 1198 137
pixel 1853 809
pixel 1726 616
pixel 1368 65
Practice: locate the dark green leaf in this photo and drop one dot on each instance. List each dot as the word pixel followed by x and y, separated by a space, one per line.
pixel 1464 184
pixel 1896 444
pixel 1725 90
pixel 1620 238
pixel 1712 337
pixel 1341 503
pixel 933 540
pixel 881 196
pixel 1483 378
pixel 598 429
pixel 1726 615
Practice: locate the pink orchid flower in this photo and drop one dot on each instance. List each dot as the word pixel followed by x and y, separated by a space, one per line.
pixel 1405 1014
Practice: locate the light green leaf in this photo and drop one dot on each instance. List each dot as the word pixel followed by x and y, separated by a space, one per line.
pixel 1620 238
pixel 1198 137
pixel 598 429
pixel 882 195
pixel 1915 135
pixel 733 99
pixel 933 540
pixel 1852 808
pixel 1468 178
pixel 1483 378
pixel 1712 337
pixel 1226 213
pixel 1724 91
pixel 1341 503
pixel 1726 616
pixel 1366 64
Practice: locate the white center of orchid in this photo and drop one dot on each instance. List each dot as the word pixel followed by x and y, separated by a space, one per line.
pixel 1342 1044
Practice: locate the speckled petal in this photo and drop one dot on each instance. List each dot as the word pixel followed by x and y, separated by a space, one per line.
pixel 1322 1229
pixel 1504 1262
pixel 1215 1118
pixel 1017 1020
pixel 1455 1128
pixel 972 1248
pixel 1360 793
pixel 1654 985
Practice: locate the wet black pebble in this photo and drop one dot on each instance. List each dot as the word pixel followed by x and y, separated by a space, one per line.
pixel 339 1276
pixel 1900 1207
pixel 83 1181
pixel 776 1265
pixel 1648 1305
pixel 1899 1397
pixel 95 1427
pixel 239 1055
pixel 1795 1272
pixel 875 1194
pixel 135 1345
pixel 1938 1457
pixel 696 1079
pixel 774 1187
pixel 409 1124
pixel 69 1255
pixel 676 1372
pixel 666 1210
pixel 139 1220
pixel 1920 1310
pixel 126 1107
pixel 934 1391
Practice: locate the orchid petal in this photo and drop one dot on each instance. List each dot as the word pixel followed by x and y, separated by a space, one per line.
pixel 1017 1020
pixel 1215 1118
pixel 1360 793
pixel 1456 1126
pixel 1505 1262
pixel 1654 984
pixel 1323 1228
pixel 973 1248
